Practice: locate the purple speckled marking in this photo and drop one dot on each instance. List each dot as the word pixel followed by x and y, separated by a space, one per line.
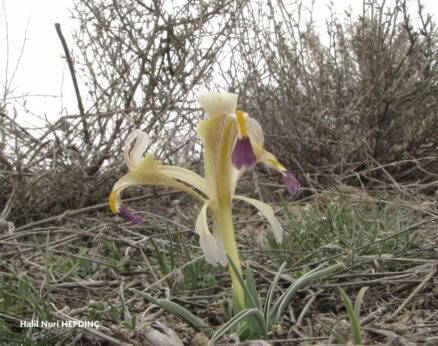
pixel 292 184
pixel 243 154
pixel 126 214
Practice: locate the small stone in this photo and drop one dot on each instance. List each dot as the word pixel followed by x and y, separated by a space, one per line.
pixel 199 339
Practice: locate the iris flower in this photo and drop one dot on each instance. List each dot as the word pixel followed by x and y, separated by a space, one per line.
pixel 233 143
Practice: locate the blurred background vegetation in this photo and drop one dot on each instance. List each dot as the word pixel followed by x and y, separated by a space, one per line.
pixel 357 109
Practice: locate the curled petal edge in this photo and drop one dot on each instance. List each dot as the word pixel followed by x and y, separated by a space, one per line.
pixel 134 156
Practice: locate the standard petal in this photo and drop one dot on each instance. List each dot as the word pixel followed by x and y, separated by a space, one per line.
pixel 210 244
pixel 218 135
pixel 235 175
pixel 134 156
pixel 215 103
pixel 268 213
pixel 255 131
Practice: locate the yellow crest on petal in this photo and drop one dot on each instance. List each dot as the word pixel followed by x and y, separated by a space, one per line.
pixel 113 202
pixel 240 116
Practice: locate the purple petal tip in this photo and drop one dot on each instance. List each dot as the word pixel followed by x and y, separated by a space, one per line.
pixel 243 154
pixel 292 184
pixel 127 215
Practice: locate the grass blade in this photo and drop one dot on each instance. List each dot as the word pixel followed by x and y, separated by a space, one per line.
pixel 178 311
pixel 358 302
pixel 355 328
pixel 256 313
pixel 271 291
pixel 30 294
pixel 251 300
pixel 250 282
pixel 303 281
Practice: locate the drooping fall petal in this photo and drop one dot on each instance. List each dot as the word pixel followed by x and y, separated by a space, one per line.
pixel 210 244
pixel 268 213
pixel 186 176
pixel 127 215
pixel 243 154
pixel 148 173
pixel 292 184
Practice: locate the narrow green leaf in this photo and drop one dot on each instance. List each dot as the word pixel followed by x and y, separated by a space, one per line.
pixel 240 317
pixel 162 259
pixel 358 302
pixel 271 291
pixel 250 282
pixel 171 249
pixel 178 311
pixel 237 306
pixel 251 323
pixel 283 301
pixel 249 297
pixel 245 332
pixel 355 327
pixel 29 293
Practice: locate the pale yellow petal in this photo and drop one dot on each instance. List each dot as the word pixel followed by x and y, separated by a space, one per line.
pixel 218 135
pixel 218 103
pixel 235 176
pixel 134 156
pixel 186 176
pixel 255 131
pixel 114 202
pixel 144 174
pixel 268 213
pixel 210 244
pixel 291 183
pixel 264 156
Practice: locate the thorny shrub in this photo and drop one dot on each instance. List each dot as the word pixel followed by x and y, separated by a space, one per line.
pixel 362 109
pixel 359 110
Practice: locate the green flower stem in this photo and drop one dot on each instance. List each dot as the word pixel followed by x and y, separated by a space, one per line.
pixel 224 223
